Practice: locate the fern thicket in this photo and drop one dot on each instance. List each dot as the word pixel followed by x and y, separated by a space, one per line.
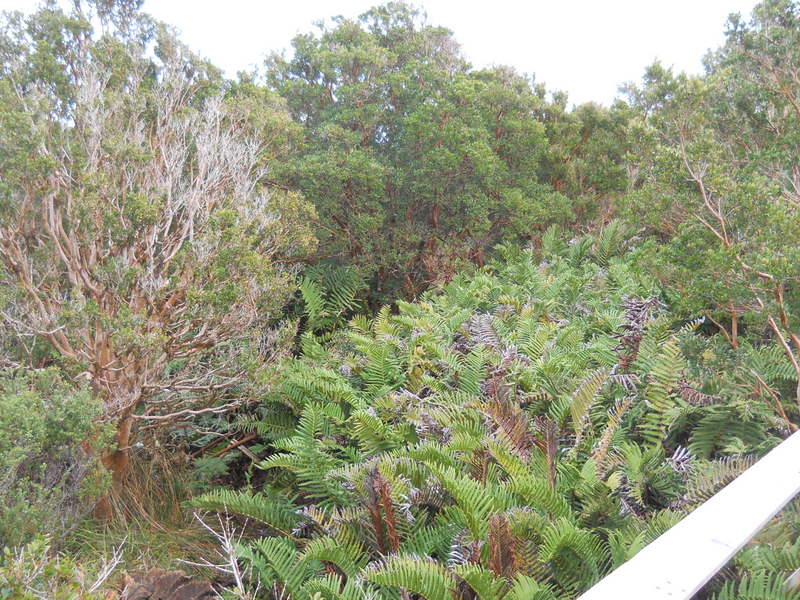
pixel 516 434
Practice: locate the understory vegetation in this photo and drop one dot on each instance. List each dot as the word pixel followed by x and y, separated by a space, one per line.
pixel 516 434
pixel 372 323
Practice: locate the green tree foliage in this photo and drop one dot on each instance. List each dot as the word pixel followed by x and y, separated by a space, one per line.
pixel 517 434
pixel 140 247
pixel 718 178
pixel 416 163
pixel 587 154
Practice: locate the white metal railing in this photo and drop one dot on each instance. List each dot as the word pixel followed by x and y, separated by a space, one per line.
pixel 679 562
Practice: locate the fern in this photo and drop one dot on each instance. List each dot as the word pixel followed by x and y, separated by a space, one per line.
pixel 527 588
pixel 706 479
pixel 664 375
pixel 724 431
pixel 535 491
pixel 278 563
pixel 424 577
pixel 308 457
pixel 474 502
pixel 610 242
pixel 504 437
pixel 758 586
pixel 584 396
pixel 333 587
pixel 329 295
pixel 277 513
pixel 347 555
pixel 575 558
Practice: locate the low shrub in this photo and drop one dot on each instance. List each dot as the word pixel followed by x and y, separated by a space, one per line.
pixel 49 472
pixel 34 572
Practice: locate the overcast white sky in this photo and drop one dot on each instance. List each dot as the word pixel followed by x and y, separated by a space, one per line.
pixel 585 47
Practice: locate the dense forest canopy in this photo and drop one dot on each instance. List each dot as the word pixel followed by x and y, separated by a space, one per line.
pixel 371 322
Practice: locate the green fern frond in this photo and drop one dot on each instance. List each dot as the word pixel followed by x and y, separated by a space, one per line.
pixel 585 395
pixel 277 513
pixel 421 576
pixel 575 557
pixel 610 242
pixel 725 431
pixel 771 556
pixel 473 500
pixel 707 478
pixel 428 540
pixel 664 374
pixel 480 581
pixel 373 435
pixel 527 588
pixel 757 586
pixel 333 587
pixel 329 294
pixel 348 555
pixel 277 562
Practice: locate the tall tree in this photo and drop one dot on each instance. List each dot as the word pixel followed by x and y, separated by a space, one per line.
pixel 138 242
pixel 416 163
pixel 720 177
pixel 586 154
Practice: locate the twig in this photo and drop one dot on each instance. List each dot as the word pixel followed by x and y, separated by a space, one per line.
pixel 236 444
pixel 108 567
pixel 191 412
pixel 211 444
pixel 776 399
pixel 228 540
